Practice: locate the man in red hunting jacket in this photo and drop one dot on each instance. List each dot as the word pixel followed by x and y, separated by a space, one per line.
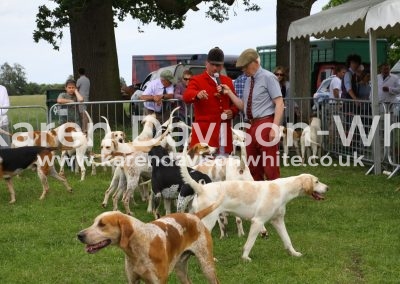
pixel 213 109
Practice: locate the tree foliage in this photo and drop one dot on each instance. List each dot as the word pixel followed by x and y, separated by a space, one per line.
pixel 165 13
pixel 13 78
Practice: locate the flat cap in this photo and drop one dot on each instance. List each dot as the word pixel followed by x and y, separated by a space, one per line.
pixel 167 75
pixel 246 57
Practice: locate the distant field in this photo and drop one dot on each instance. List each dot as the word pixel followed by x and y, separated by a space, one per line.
pixel 28 100
pixel 31 109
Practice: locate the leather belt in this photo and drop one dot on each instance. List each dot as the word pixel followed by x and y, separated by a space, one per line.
pixel 256 119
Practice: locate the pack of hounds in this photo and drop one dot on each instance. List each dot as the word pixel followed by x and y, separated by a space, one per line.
pixel 208 188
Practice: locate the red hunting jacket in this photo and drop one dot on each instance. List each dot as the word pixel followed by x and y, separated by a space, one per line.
pixel 208 111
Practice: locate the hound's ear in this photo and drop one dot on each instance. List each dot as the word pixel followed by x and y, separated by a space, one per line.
pixel 307 184
pixel 115 144
pixel 192 151
pixel 53 132
pixel 36 135
pixel 126 231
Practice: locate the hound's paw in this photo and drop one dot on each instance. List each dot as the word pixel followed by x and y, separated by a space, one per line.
pixel 246 258
pixel 296 253
pixel 264 235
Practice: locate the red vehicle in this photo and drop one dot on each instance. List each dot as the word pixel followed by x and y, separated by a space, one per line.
pixel 143 65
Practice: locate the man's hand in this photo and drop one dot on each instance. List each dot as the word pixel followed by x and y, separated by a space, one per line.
pixel 202 95
pixel 227 114
pixel 158 99
pixel 273 133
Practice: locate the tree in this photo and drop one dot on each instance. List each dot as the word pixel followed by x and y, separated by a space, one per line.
pixel 13 78
pixel 288 11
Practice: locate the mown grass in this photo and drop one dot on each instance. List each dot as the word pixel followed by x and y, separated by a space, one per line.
pixel 351 237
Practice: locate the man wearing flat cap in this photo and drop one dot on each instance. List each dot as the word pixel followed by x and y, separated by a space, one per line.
pixel 156 91
pixel 213 110
pixel 263 107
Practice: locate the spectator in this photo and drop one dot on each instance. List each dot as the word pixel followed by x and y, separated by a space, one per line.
pixel 350 81
pixel 388 85
pixel 281 74
pixel 178 93
pixel 364 85
pixel 350 90
pixel 71 95
pixel 5 140
pixel 335 87
pixel 239 88
pixel 156 91
pixel 83 86
pixel 291 107
pixel 213 110
pixel 364 94
pixel 263 106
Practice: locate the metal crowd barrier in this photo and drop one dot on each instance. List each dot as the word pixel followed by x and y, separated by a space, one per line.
pixel 122 115
pixel 20 119
pixel 338 118
pixel 347 126
pixel 33 115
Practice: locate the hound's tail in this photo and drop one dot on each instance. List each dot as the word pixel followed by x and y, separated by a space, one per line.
pixel 108 124
pixel 157 141
pixel 197 187
pixel 203 213
pixel 90 122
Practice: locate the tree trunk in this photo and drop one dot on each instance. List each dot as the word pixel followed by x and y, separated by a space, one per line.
pixel 288 11
pixel 94 48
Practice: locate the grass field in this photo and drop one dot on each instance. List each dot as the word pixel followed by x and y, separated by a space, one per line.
pixel 31 109
pixel 351 237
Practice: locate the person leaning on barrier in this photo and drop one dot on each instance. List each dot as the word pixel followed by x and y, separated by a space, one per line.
pixel 71 95
pixel 335 87
pixel 263 106
pixel 156 91
pixel 4 104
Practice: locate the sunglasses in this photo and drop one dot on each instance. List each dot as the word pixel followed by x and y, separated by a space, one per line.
pixel 186 79
pixel 279 74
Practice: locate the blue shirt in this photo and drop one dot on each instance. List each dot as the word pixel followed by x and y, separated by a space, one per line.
pixel 266 89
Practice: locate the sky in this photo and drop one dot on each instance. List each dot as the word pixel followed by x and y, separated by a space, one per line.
pixel 45 65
